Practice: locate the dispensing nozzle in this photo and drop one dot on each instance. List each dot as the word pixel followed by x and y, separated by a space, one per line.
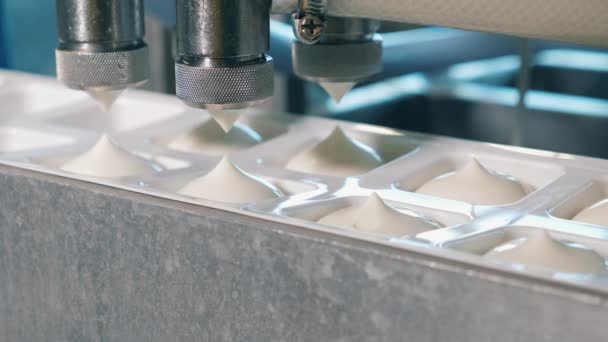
pixel 101 48
pixel 349 51
pixel 221 62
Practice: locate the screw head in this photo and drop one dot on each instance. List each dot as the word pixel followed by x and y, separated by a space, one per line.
pixel 309 29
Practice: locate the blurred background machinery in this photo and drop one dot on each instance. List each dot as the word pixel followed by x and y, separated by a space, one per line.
pixel 472 85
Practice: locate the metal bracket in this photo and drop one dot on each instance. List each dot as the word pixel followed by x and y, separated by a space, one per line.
pixel 310 20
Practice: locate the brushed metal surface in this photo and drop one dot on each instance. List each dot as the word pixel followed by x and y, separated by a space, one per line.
pixel 99 25
pixel 83 262
pixel 222 28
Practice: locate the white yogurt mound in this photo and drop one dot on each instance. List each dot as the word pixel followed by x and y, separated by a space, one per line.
pixel 375 216
pixel 209 137
pixel 337 155
pixel 228 183
pixel 541 250
pixel 595 214
pixel 475 184
pixel 107 159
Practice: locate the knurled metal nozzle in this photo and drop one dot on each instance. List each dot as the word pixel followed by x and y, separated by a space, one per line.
pixel 225 87
pixel 102 70
pixel 221 58
pixel 101 44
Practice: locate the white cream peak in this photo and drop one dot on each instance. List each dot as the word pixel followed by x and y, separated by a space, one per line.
pixel 337 90
pixel 475 184
pixel 596 214
pixel 539 249
pixel 226 117
pixel 336 155
pixel 107 159
pixel 228 183
pixel 209 137
pixel 105 98
pixel 375 216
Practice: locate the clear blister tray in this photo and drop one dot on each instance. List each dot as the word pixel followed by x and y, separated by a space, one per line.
pixel 44 124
